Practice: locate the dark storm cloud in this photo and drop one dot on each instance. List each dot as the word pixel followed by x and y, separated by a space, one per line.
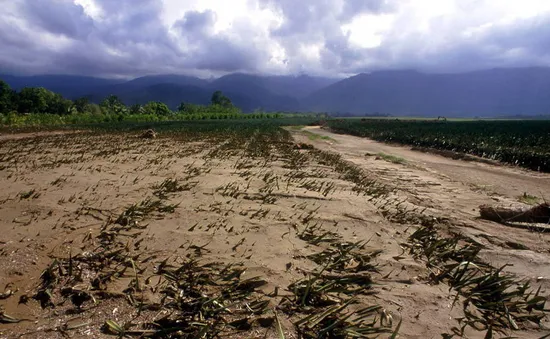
pixel 532 35
pixel 56 17
pixel 19 50
pixel 221 55
pixel 12 38
pixel 442 48
pixel 525 42
pixel 216 52
pixel 196 22
pixel 301 17
pixel 132 21
pixel 321 17
pixel 129 38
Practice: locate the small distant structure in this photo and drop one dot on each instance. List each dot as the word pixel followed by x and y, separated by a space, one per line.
pixel 442 118
pixel 148 134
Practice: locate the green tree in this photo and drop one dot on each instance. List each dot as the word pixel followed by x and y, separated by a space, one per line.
pixel 58 105
pixel 82 105
pixel 95 109
pixel 6 97
pixel 219 99
pixel 157 108
pixel 186 108
pixel 41 100
pixel 183 108
pixel 136 109
pixel 32 100
pixel 113 105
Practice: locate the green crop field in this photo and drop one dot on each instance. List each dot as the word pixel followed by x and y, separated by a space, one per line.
pixel 524 143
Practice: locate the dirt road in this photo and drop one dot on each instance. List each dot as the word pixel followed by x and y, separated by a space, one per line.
pixel 495 180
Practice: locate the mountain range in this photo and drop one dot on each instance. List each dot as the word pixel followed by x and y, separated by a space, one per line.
pixel 486 93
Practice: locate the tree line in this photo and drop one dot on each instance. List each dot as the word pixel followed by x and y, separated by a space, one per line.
pixel 39 100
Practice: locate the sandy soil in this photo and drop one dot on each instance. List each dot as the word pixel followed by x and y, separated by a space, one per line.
pixel 17 136
pixel 502 180
pixel 59 193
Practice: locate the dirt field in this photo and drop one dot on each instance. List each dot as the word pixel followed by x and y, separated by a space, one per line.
pixel 241 236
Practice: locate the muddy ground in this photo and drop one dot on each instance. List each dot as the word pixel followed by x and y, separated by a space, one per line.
pixel 268 205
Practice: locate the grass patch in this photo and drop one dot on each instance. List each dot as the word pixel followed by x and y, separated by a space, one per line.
pixel 528 199
pixel 391 158
pixel 314 136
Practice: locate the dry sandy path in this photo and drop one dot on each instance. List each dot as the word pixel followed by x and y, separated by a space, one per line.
pixel 503 180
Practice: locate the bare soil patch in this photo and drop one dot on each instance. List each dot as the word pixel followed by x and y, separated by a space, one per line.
pixel 108 234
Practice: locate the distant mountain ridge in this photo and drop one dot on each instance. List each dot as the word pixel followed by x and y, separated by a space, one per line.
pixel 249 92
pixel 70 86
pixel 495 92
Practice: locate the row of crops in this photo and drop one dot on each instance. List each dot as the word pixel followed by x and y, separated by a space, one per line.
pixel 524 143
pixel 174 126
pixel 204 125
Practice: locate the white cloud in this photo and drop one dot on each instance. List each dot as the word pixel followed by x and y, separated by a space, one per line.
pixel 367 30
pixel 90 8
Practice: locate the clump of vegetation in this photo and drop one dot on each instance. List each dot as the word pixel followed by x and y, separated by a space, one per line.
pixel 203 300
pixel 346 257
pixel 29 194
pixel 163 189
pixel 314 136
pixel 39 107
pixel 391 158
pixel 340 322
pixel 528 199
pixel 494 301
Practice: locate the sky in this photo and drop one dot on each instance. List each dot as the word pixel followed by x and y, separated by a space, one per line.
pixel 130 38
